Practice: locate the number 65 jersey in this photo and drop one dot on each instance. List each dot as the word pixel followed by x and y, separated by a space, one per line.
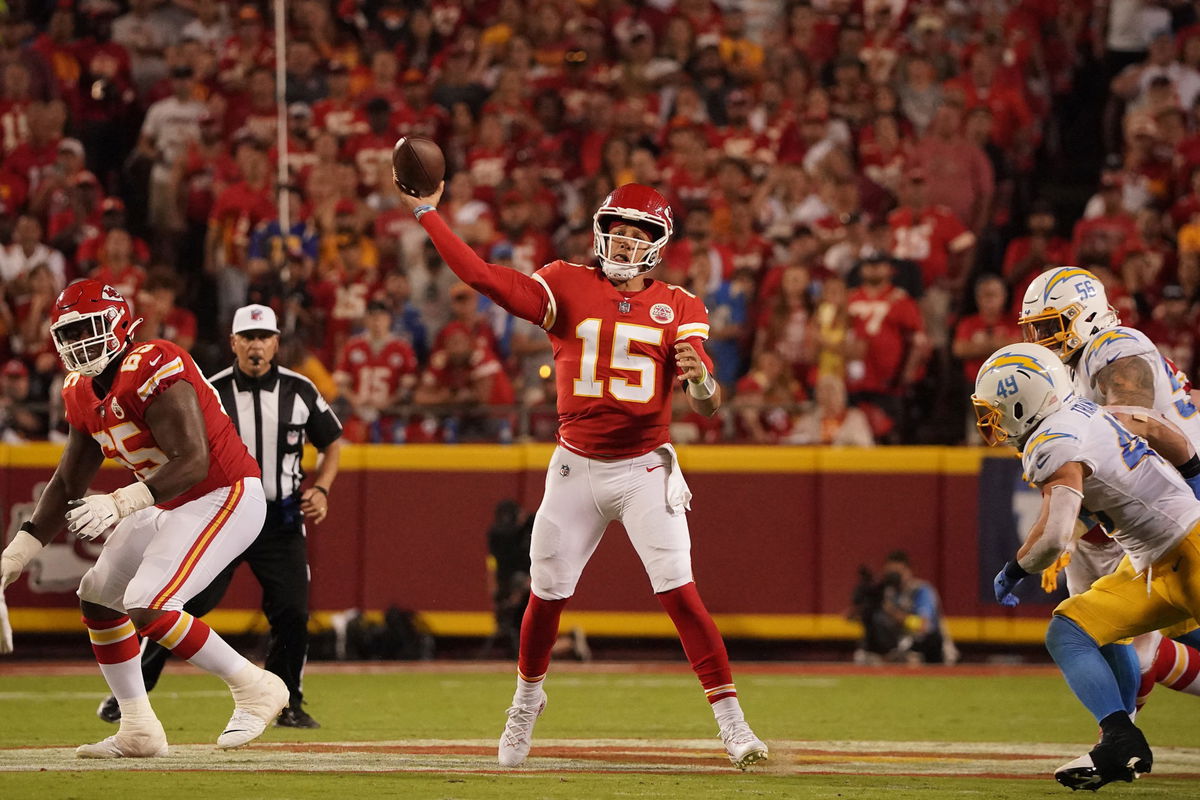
pixel 614 358
pixel 118 421
pixel 1138 496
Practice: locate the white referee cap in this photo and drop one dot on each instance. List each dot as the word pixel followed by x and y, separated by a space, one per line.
pixel 255 318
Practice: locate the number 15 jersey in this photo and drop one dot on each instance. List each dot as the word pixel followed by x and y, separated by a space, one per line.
pixel 614 358
pixel 118 421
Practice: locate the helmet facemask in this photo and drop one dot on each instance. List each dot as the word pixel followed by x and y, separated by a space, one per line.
pixel 1054 329
pixel 625 257
pixel 86 343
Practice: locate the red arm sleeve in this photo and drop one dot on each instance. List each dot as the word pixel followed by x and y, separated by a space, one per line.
pixel 516 292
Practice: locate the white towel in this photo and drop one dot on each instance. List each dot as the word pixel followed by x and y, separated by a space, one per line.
pixel 679 496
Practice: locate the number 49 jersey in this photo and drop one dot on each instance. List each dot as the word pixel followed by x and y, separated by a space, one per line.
pixel 1172 390
pixel 1135 493
pixel 614 358
pixel 118 421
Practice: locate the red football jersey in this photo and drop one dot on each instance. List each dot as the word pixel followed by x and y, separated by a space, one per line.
pixel 886 322
pixel 928 237
pixel 614 358
pixel 118 422
pixel 376 371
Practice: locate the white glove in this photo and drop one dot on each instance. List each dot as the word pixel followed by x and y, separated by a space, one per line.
pixel 93 515
pixel 6 645
pixel 20 551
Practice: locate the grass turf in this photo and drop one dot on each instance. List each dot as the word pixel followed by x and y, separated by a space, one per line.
pixel 466 703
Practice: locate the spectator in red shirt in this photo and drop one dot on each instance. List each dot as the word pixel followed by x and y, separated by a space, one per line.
pixel 339 113
pixel 117 267
pixel 960 175
pixel 161 318
pixel 979 335
pixel 783 326
pixel 39 152
pixel 933 237
pixel 890 346
pixel 1029 256
pixel 1012 126
pixel 766 400
pixel 1100 239
pixel 376 370
pixel 91 250
pixel 463 373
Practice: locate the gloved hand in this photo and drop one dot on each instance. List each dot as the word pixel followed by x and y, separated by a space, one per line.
pixel 17 555
pixel 6 644
pixel 1006 581
pixel 92 515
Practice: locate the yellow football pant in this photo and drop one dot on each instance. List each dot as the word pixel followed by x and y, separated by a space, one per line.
pixel 1121 605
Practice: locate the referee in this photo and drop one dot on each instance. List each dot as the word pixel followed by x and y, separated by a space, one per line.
pixel 274 410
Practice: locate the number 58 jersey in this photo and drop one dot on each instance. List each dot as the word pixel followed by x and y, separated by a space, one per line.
pixel 614 358
pixel 118 421
pixel 1140 498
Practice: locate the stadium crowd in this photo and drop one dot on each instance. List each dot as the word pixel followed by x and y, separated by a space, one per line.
pixel 862 190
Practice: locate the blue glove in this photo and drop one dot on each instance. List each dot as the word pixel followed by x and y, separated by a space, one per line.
pixel 1006 581
pixel 1194 482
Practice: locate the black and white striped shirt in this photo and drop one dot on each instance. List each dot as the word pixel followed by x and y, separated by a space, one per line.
pixel 273 415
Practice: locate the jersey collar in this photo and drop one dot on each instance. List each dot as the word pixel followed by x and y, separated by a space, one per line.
pixel 247 383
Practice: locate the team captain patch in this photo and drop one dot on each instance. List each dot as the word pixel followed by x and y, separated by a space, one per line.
pixel 662 313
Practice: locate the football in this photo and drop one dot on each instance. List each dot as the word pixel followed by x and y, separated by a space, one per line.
pixel 418 165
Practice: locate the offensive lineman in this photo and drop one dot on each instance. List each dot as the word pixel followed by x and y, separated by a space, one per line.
pixel 1083 458
pixel 619 340
pixel 196 504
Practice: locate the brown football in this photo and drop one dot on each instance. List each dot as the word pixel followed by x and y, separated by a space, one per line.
pixel 418 165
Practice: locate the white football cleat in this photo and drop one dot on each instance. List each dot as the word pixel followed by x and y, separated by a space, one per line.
pixel 518 732
pixel 258 704
pixel 138 738
pixel 743 747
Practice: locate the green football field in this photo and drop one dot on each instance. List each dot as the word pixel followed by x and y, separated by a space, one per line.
pixel 609 731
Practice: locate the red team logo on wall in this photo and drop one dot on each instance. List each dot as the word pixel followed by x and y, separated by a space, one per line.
pixel 662 313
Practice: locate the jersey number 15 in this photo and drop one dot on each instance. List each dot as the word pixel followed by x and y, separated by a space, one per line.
pixel 624 334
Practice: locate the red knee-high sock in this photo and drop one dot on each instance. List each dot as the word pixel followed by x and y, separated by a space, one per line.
pixel 539 630
pixel 1145 687
pixel 1177 666
pixel 701 640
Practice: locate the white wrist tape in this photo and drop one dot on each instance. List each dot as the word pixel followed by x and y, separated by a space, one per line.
pixel 1060 528
pixel 131 498
pixel 20 552
pixel 703 389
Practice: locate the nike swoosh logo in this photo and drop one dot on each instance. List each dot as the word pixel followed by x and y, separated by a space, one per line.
pixel 651 469
pixel 156 360
pixel 1041 460
pixel 1177 563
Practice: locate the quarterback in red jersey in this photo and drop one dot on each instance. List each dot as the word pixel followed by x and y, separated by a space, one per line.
pixel 196 505
pixel 621 340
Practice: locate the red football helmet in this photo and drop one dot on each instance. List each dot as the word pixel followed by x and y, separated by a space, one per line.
pixel 642 207
pixel 90 325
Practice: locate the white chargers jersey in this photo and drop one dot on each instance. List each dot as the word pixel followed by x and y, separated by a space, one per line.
pixel 1172 397
pixel 1138 496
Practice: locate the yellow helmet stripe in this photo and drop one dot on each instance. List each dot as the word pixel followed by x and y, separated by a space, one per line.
pixel 1018 360
pixel 1064 274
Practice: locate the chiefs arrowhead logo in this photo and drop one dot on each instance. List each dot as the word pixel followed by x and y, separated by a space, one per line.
pixel 109 293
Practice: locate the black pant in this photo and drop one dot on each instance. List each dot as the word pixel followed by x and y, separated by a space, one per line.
pixel 279 560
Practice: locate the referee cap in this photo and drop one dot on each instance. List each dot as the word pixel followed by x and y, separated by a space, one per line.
pixel 255 318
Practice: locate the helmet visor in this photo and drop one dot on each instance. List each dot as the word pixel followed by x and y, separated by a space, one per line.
pixel 1049 329
pixel 987 420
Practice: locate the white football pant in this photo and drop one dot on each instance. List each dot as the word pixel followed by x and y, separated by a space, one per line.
pixel 583 495
pixel 161 559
